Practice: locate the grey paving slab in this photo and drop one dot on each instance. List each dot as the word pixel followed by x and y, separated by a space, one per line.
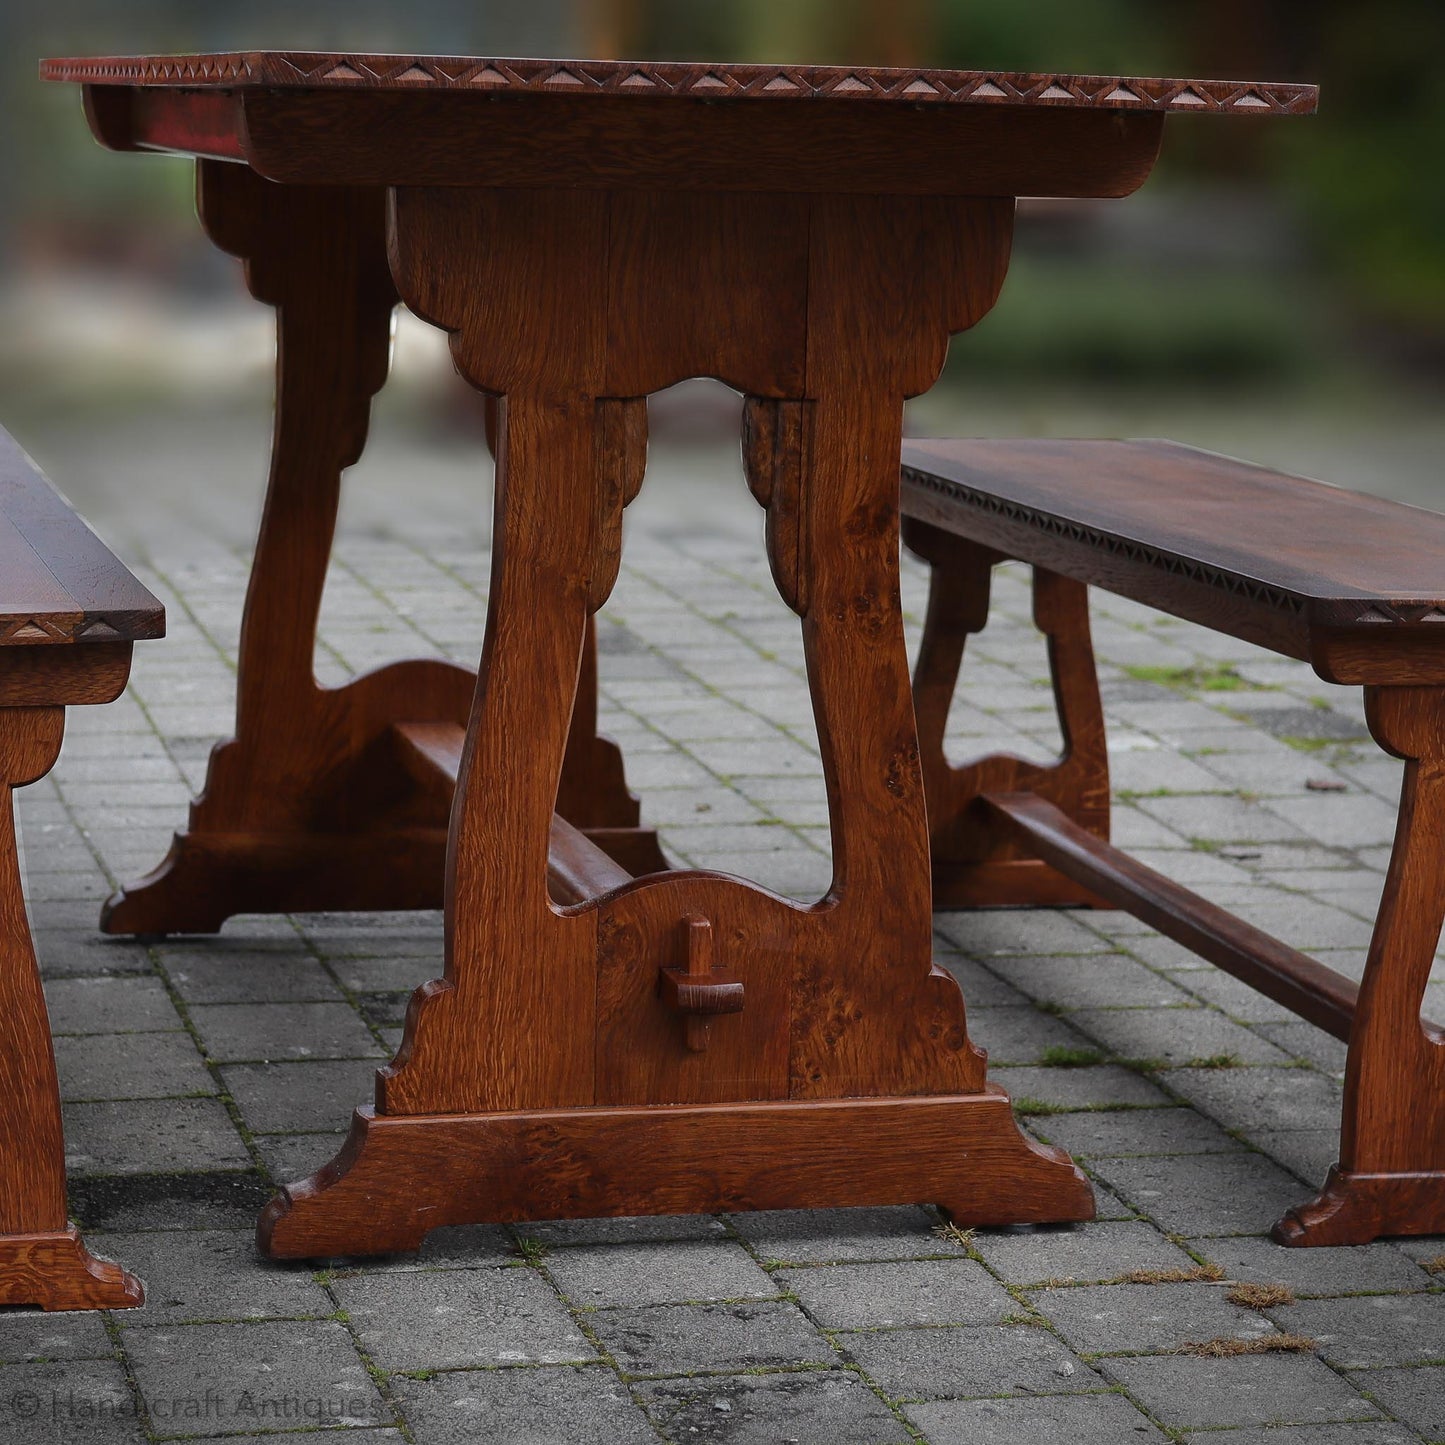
pixel 1174 1036
pixel 247 976
pixel 1100 1251
pixel 109 1005
pixel 1262 1098
pixel 827 1236
pixel 1106 1133
pixel 273 1031
pixel 142 1136
pixel 1205 1193
pixel 1021 1035
pixel 830 1406
pixel 1316 1271
pixel 1079 1419
pixel 1371 1330
pixel 1188 1392
pixel 1109 980
pixel 210 1275
pixel 130 1066
pixel 730 1338
pixel 1372 1432
pixel 1080 1088
pixel 69 1403
pixel 911 1292
pixel 987 1360
pixel 1416 1397
pixel 450 1319
pixel 1138 1318
pixel 300 1097
pixel 201 1199
pixel 556 1405
pixel 32 1336
pixel 250 1377
pixel 672 1272
pixel 1306 1152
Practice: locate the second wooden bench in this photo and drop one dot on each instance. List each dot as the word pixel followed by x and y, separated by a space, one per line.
pixel 1353 585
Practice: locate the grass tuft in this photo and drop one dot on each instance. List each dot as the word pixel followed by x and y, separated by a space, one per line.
pixel 1222 1348
pixel 1260 1296
pixel 1026 1107
pixel 1173 1276
pixel 954 1235
pixel 1066 1056
pixel 1216 1061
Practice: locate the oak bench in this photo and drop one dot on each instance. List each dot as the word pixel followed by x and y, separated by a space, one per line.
pixel 69 612
pixel 1353 585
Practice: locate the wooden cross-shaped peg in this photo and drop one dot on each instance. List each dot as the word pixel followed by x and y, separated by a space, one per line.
pixel 702 988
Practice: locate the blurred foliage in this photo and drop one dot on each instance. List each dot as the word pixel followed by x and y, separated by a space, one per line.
pixel 1365 176
pixel 1113 324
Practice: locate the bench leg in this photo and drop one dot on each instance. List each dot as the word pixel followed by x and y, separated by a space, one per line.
pixel 975 864
pixel 1391 1175
pixel 42 1258
pixel 309 806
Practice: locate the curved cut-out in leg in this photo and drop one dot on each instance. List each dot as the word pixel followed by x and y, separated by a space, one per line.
pixel 1390 1178
pixel 974 863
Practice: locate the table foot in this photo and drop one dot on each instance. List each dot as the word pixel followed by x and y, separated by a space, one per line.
pixel 400 1176
pixel 207 878
pixel 1357 1208
pixel 53 1270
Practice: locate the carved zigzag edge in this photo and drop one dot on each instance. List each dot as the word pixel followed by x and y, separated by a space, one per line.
pixel 712 82
pixel 1371 611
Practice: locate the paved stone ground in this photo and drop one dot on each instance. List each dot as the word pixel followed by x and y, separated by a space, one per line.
pixel 198 1072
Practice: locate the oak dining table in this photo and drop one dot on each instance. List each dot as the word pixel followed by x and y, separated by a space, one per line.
pixel 614 1036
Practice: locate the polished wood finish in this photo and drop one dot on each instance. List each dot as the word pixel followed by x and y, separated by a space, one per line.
pixel 976 863
pixel 68 612
pixel 1311 571
pixel 701 80
pixel 398 1177
pixel 589 233
pixel 1158 522
pixel 60 583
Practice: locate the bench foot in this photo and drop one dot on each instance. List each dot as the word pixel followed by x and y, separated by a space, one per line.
pixel 399 1176
pixel 1357 1208
pixel 207 878
pixel 54 1271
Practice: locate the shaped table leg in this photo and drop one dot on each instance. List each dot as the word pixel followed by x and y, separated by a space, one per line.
pixel 553 1071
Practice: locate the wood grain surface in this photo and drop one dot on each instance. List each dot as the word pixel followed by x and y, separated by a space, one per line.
pixel 1278 560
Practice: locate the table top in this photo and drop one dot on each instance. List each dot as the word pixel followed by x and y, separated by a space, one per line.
pixel 301 70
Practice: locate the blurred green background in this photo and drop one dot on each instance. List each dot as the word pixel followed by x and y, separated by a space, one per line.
pixel 1276 289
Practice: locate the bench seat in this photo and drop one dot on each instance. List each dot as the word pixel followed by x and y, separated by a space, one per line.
pixel 1352 584
pixel 1355 586
pixel 69 613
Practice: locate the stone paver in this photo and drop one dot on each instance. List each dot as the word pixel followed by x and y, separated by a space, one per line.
pixel 958 1363
pixel 1188 1392
pixel 549 1406
pixel 916 1292
pixel 687 1339
pixel 192 1065
pixel 664 1273
pixel 765 1409
pixel 1080 1419
pixel 448 1319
